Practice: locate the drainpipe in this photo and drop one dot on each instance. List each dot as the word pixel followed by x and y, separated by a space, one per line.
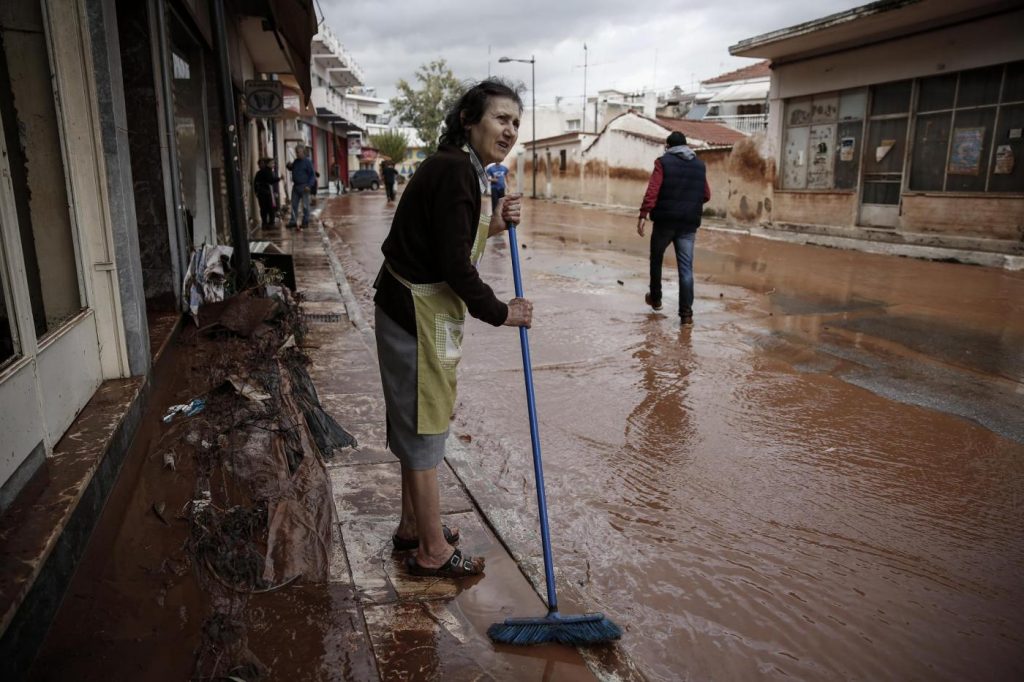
pixel 232 172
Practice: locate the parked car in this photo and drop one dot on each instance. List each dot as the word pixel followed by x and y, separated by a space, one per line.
pixel 365 179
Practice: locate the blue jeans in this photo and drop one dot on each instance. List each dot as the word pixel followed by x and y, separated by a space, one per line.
pixel 299 196
pixel 683 239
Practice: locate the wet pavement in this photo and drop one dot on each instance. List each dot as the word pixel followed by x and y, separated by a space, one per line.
pixel 823 478
pixel 136 610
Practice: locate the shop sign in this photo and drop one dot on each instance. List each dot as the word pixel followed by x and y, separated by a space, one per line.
pixel 264 99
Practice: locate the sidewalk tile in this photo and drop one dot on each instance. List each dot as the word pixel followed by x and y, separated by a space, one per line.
pixel 376 490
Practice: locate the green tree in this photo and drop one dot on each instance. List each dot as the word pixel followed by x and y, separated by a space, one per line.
pixel 391 143
pixel 424 107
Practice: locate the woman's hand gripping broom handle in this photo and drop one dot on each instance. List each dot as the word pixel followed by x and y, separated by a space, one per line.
pixel 531 405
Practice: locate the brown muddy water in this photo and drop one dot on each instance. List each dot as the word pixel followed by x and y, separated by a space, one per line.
pixel 822 479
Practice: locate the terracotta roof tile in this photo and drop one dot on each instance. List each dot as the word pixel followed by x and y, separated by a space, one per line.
pixel 758 70
pixel 715 134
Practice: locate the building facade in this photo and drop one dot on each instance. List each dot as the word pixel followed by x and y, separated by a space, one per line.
pixel 901 122
pixel 112 170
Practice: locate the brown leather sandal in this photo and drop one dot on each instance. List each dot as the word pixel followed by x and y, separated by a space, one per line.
pixel 457 566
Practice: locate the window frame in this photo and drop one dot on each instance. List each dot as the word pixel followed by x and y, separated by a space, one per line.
pixel 913 116
pixel 952 111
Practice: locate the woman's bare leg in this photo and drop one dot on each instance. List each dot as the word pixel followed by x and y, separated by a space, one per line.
pixel 407 524
pixel 434 550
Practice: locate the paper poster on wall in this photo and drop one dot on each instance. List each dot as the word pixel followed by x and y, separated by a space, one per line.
pixel 965 156
pixel 882 150
pixel 1004 160
pixel 847 146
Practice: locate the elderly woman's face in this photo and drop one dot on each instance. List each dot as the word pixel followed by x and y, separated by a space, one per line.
pixel 495 134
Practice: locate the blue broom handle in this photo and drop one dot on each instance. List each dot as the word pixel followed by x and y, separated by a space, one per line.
pixel 538 470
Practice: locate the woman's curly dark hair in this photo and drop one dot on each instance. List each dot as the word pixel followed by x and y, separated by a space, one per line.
pixel 470 108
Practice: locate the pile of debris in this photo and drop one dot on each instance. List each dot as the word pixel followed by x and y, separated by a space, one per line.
pixel 254 440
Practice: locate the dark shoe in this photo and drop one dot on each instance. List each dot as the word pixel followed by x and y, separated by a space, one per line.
pixel 406 544
pixel 656 304
pixel 686 318
pixel 457 566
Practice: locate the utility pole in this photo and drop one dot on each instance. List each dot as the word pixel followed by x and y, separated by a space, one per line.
pixel 583 124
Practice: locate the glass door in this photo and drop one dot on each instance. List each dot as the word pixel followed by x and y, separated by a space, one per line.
pixel 885 154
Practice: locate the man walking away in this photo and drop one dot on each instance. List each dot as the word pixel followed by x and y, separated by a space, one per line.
pixel 675 198
pixel 303 180
pixel 496 174
pixel 389 173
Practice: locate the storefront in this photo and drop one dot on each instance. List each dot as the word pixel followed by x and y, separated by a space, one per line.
pixel 902 118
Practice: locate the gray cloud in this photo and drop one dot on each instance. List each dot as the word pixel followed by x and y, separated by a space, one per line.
pixel 630 46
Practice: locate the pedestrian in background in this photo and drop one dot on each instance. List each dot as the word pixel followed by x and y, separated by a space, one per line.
pixel 427 284
pixel 496 174
pixel 390 174
pixel 303 181
pixel 675 198
pixel 263 184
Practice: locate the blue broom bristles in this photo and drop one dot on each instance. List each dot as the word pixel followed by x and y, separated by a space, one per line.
pixel 592 628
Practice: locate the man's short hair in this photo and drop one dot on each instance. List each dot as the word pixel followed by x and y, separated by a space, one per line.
pixel 675 138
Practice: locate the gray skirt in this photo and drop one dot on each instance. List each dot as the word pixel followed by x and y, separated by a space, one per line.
pixel 396 353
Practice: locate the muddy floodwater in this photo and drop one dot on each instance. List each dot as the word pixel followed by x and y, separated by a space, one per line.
pixel 822 479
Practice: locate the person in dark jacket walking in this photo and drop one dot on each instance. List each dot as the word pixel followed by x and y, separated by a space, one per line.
pixel 263 184
pixel 389 173
pixel 675 198
pixel 303 182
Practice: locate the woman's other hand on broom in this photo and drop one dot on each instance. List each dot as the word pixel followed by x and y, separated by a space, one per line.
pixel 520 313
pixel 507 212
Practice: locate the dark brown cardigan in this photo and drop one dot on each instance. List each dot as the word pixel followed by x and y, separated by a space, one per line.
pixel 431 239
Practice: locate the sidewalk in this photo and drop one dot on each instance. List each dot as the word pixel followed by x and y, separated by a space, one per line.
pixel 418 628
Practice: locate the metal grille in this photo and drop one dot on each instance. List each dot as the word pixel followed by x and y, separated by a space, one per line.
pixel 322 318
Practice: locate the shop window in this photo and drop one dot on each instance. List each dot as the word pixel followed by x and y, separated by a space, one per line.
pixel 1007 168
pixel 979 87
pixel 937 93
pixel 847 158
pixel 823 139
pixel 36 158
pixel 1013 86
pixel 968 131
pixel 931 145
pixel 890 98
pixel 969 150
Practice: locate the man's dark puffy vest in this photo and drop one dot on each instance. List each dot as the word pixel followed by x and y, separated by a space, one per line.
pixel 681 199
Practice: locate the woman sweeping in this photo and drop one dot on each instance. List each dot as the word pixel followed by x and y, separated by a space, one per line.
pixel 427 283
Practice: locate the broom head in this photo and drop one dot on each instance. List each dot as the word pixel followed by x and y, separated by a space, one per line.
pixel 591 628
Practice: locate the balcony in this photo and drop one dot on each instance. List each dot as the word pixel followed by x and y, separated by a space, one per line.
pixel 748 124
pixel 330 55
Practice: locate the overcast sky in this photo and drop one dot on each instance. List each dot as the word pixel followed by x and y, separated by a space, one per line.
pixel 631 45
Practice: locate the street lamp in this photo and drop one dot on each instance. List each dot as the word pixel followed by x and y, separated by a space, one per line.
pixel 533 90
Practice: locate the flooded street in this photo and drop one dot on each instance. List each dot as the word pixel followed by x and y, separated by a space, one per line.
pixel 822 478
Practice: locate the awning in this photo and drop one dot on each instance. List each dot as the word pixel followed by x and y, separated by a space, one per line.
pixel 295 20
pixel 697 112
pixel 743 92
